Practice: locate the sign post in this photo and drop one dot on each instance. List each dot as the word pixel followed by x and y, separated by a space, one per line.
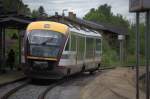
pixel 138 6
pixel 147 48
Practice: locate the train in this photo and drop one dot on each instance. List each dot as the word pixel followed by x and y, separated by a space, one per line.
pixel 54 50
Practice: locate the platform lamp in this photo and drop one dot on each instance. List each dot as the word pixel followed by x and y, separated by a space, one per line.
pixel 138 6
pixel 121 39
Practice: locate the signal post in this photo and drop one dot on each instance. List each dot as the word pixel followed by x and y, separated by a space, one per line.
pixel 138 6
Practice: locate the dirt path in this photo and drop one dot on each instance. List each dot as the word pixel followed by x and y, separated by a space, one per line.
pixel 115 84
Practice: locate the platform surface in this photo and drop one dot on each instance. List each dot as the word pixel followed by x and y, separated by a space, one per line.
pixel 116 84
pixel 11 76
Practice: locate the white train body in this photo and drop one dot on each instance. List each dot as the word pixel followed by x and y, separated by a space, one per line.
pixel 80 50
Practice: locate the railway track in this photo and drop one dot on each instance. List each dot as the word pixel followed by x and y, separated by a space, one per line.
pixel 9 93
pixel 41 96
pixel 44 93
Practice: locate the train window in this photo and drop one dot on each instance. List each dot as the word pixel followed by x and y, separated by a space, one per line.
pixel 73 42
pixel 44 43
pixel 81 47
pixel 44 37
pixel 98 44
pixel 89 47
pixel 98 47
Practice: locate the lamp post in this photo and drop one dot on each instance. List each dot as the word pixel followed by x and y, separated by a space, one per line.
pixel 63 12
pixel 121 39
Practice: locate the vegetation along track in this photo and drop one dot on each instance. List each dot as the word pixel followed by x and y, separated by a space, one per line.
pixel 9 93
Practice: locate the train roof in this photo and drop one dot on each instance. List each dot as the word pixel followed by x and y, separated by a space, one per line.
pixel 62 28
pixel 84 31
pixel 48 25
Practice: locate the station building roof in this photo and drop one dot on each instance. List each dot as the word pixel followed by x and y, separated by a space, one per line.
pixel 21 22
pixel 94 25
pixel 15 21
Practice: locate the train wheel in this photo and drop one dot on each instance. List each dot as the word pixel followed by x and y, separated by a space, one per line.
pixel 91 72
pixel 83 68
pixel 68 71
pixel 98 67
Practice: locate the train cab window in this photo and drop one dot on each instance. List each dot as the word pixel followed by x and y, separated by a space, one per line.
pixel 44 43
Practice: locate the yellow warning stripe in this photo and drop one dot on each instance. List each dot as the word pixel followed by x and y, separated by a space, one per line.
pixel 41 58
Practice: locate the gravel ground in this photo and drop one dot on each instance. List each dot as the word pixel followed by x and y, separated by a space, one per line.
pixel 29 92
pixel 110 84
pixel 69 92
pixel 72 88
pixel 5 89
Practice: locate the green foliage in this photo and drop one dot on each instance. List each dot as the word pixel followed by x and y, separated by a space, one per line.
pixel 39 13
pixel 131 49
pixel 35 14
pixel 14 36
pixel 109 57
pixel 104 15
pixel 16 6
pixel 9 34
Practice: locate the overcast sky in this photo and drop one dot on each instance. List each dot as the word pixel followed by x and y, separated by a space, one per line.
pixel 80 7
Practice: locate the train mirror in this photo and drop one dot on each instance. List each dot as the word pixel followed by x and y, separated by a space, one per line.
pixel 139 5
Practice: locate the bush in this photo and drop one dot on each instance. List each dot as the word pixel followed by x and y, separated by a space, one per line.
pixel 109 57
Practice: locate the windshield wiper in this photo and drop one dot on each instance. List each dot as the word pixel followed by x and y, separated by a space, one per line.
pixel 44 43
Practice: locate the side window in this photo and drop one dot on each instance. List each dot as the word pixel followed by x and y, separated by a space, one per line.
pixel 81 47
pixel 73 42
pixel 98 47
pixel 89 47
pixel 98 44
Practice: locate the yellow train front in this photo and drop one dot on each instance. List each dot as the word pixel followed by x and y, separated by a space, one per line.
pixel 52 50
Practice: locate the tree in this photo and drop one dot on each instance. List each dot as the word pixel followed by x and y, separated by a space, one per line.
pixel 35 14
pixel 103 14
pixel 15 6
pixel 42 12
pixel 39 13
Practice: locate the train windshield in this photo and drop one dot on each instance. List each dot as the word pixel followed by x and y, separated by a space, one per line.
pixel 44 43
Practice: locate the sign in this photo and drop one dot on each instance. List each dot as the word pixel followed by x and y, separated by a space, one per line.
pixel 46 25
pixel 121 37
pixel 139 5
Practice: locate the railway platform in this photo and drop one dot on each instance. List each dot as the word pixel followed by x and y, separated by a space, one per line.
pixel 11 76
